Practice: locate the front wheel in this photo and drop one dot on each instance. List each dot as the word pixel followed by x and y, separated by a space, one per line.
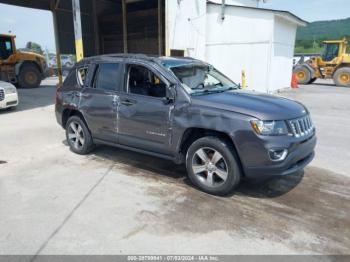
pixel 212 166
pixel 78 136
pixel 342 77
pixel 303 75
pixel 29 77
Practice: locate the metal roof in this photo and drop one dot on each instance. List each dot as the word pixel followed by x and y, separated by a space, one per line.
pixel 281 13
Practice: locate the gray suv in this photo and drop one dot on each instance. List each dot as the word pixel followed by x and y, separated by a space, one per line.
pixel 184 110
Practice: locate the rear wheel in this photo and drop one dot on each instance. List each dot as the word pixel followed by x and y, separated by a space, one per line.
pixel 342 77
pixel 212 166
pixel 29 77
pixel 78 136
pixel 303 75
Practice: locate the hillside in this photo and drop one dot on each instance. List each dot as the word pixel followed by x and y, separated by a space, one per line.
pixel 319 31
pixel 325 29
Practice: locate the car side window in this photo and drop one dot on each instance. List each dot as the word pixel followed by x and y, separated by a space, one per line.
pixel 82 75
pixel 142 81
pixel 70 79
pixel 107 77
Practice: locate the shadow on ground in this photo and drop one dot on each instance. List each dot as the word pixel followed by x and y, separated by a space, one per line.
pixel 136 163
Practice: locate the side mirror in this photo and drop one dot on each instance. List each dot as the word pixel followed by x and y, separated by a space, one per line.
pixel 239 86
pixel 170 95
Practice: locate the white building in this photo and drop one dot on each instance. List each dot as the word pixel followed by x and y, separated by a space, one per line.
pixel 234 36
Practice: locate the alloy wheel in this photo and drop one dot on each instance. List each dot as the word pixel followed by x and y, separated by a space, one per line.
pixel 210 167
pixel 76 135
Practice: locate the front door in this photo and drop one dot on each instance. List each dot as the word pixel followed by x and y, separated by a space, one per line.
pixel 98 101
pixel 143 117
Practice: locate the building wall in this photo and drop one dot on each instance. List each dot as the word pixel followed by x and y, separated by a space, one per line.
pixel 251 3
pixel 186 27
pixel 282 54
pixel 259 42
pixel 242 41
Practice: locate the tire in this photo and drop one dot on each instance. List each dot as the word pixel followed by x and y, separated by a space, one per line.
pixel 29 77
pixel 213 166
pixel 312 80
pixel 342 77
pixel 303 75
pixel 78 136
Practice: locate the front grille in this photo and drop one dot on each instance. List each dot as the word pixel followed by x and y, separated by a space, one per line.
pixel 2 94
pixel 301 126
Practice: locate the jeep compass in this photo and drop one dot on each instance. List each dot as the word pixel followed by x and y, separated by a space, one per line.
pixel 184 110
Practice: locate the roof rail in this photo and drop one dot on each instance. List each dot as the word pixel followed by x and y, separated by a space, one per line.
pixel 128 55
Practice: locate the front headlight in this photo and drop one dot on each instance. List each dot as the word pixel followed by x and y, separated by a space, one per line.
pixel 270 128
pixel 10 90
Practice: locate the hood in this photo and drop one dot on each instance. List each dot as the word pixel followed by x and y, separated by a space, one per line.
pixel 261 106
pixel 5 85
pixel 30 53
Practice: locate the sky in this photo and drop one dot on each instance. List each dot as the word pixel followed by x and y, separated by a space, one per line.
pixel 28 25
pixel 37 25
pixel 313 10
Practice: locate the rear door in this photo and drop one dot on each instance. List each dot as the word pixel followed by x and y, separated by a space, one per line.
pixel 98 101
pixel 143 117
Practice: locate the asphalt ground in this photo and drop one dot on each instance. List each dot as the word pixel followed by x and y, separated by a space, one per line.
pixel 113 201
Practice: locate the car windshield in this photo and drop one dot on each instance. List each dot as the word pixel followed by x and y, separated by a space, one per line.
pixel 202 79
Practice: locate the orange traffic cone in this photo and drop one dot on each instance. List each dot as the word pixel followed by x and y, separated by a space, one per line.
pixel 294 83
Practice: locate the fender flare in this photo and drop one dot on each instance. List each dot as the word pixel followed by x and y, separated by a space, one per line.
pixel 347 65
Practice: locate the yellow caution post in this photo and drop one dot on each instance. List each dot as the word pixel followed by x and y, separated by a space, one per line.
pixel 244 80
pixel 79 50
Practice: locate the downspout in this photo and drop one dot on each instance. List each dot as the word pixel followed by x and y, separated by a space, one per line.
pixel 269 56
pixel 223 5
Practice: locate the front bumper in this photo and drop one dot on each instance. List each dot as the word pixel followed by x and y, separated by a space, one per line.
pixel 10 100
pixel 300 153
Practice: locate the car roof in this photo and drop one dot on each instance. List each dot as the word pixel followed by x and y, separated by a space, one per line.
pixel 166 61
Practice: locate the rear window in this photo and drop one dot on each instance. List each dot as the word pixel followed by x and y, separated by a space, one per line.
pixel 82 75
pixel 71 79
pixel 107 77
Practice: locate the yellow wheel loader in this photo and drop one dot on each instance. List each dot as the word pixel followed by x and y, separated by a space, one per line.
pixel 334 63
pixel 24 69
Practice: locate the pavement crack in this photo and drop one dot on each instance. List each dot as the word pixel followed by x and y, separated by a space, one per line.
pixel 71 213
pixel 134 232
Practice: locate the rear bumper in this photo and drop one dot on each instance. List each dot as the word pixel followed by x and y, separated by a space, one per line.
pixel 300 155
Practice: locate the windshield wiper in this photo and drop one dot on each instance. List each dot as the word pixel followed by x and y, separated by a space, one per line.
pixel 213 90
pixel 208 91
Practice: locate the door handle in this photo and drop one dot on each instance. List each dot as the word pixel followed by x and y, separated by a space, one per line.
pixel 127 102
pixel 81 95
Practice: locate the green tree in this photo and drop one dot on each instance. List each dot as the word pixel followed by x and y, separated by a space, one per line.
pixel 35 47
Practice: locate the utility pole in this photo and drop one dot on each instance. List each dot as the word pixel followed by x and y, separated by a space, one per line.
pixel 79 50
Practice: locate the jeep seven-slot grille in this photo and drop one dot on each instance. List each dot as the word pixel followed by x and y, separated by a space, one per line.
pixel 2 94
pixel 301 126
